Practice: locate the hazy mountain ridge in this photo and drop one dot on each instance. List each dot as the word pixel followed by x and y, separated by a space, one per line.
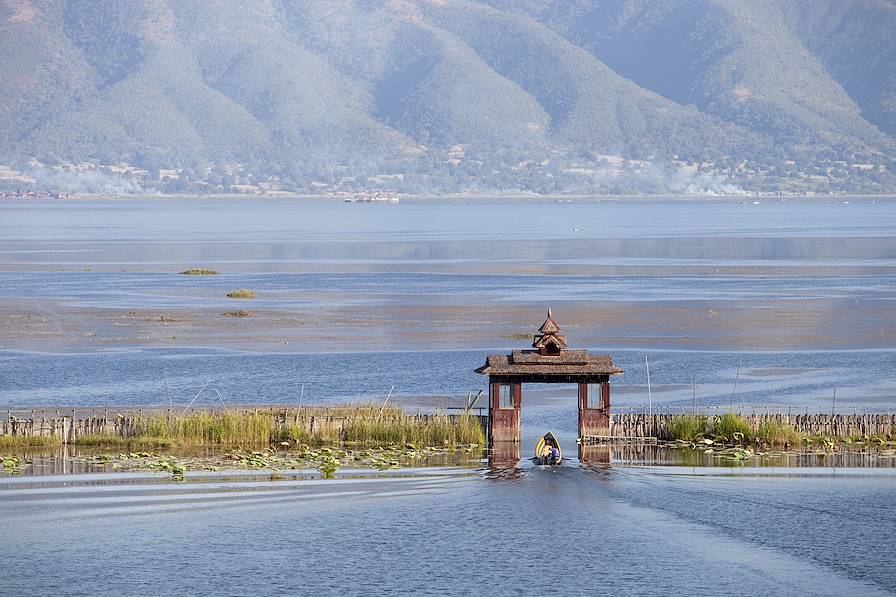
pixel 456 95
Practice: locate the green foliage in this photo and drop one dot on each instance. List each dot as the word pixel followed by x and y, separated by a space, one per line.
pixel 10 462
pixel 773 432
pixel 688 428
pixel 198 271
pixel 731 428
pixel 19 441
pixel 357 425
pixel 125 443
pixel 434 431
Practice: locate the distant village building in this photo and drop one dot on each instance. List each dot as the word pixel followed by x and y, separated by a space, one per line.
pixel 373 197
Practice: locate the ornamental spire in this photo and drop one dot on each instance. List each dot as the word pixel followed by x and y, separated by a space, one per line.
pixel 549 341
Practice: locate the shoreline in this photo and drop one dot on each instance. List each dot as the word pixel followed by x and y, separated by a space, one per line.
pixel 469 198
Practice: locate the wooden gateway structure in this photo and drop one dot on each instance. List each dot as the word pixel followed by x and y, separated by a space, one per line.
pixel 549 361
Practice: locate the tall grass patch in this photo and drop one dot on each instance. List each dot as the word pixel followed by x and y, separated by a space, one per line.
pixel 331 425
pixel 688 427
pixel 731 428
pixel 775 433
pixel 33 441
pixel 210 428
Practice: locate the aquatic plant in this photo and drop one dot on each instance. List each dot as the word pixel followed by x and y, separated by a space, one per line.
pixel 243 293
pixel 198 271
pixel 125 442
pixel 10 462
pixel 731 428
pixel 168 464
pixel 318 426
pixel 239 313
pixel 518 336
pixel 209 428
pixel 687 428
pixel 401 428
pixel 30 441
pixel 328 463
pixel 773 432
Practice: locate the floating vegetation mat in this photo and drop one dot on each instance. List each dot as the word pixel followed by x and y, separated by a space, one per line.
pixel 733 430
pixel 243 293
pixel 276 460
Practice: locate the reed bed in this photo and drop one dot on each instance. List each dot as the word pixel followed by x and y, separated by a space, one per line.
pixel 687 428
pixel 332 425
pixel 29 441
pixel 776 433
pixel 123 442
pixel 730 428
pixel 436 430
pixel 209 428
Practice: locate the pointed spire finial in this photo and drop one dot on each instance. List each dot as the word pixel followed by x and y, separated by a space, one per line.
pixel 549 313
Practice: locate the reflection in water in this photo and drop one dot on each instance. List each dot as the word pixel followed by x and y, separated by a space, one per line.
pixel 653 455
pixel 642 531
pixel 503 456
pixel 595 456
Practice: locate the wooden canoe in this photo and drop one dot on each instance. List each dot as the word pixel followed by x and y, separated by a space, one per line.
pixel 549 440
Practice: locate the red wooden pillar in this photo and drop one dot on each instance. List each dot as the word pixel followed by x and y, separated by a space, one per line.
pixel 504 418
pixel 594 419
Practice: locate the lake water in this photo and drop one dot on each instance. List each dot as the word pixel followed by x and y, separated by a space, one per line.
pixel 791 298
pixel 572 530
pixel 129 378
pixel 766 306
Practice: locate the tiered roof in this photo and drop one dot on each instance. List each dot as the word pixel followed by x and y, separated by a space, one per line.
pixel 549 341
pixel 552 357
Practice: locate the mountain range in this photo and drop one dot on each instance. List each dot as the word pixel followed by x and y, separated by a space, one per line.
pixel 436 96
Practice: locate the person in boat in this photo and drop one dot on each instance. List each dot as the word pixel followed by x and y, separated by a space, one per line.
pixel 555 455
pixel 546 454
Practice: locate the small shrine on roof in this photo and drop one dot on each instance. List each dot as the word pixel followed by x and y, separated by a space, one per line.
pixel 549 360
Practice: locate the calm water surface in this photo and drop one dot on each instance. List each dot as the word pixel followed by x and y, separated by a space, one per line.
pixel 568 530
pixel 254 235
pixel 693 275
pixel 777 381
